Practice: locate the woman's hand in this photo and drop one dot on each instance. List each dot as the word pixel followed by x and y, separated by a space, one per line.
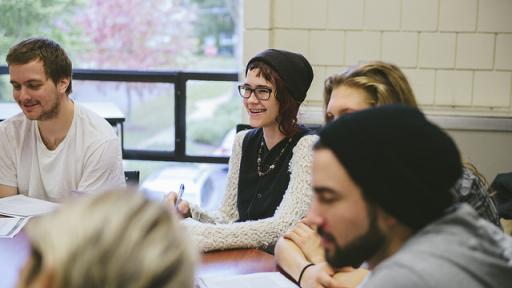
pixel 183 207
pixel 309 242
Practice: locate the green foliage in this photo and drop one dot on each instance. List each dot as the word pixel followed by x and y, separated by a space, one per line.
pixel 213 130
pixel 5 91
pixel 20 19
pixel 216 18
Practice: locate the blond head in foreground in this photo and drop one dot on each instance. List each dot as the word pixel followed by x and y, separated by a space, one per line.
pixel 113 239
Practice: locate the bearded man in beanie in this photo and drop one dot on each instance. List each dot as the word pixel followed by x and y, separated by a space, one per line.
pixel 269 178
pixel 382 180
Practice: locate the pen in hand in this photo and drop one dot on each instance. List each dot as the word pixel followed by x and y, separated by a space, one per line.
pixel 180 194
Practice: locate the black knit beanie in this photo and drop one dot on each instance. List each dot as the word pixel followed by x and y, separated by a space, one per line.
pixel 293 68
pixel 402 162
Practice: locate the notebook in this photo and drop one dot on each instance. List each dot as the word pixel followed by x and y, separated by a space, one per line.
pixel 256 280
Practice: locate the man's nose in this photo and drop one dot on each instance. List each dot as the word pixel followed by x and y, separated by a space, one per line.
pixel 22 94
pixel 315 214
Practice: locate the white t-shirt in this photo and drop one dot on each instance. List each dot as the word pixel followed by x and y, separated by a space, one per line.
pixel 89 159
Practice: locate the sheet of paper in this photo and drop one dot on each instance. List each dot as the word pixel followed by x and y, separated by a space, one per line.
pixel 256 280
pixel 23 206
pixel 10 226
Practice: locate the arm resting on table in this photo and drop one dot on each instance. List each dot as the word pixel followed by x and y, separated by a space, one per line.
pixel 290 258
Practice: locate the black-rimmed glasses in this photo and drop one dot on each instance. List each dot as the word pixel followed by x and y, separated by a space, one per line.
pixel 261 93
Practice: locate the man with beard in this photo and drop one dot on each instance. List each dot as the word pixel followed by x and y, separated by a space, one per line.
pixel 382 180
pixel 55 146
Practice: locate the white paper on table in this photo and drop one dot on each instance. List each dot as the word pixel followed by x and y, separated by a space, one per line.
pixel 255 280
pixel 23 206
pixel 10 226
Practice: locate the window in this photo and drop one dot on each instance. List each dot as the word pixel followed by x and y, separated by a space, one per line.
pixel 128 36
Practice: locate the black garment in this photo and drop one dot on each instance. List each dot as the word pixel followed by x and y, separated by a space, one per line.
pixel 259 196
pixel 502 184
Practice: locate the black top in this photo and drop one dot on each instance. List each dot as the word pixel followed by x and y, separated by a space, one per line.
pixel 259 196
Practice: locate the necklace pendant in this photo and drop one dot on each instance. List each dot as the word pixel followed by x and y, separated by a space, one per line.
pixel 276 160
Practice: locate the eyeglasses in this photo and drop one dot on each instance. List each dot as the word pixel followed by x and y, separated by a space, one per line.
pixel 261 93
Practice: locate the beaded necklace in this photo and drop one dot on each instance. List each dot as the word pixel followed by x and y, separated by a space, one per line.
pixel 273 165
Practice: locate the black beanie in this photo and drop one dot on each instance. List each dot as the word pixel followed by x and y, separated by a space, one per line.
pixel 402 162
pixel 293 68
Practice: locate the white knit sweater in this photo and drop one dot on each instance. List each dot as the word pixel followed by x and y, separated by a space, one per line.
pixel 218 230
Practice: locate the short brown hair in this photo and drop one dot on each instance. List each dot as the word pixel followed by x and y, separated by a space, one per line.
pixel 56 62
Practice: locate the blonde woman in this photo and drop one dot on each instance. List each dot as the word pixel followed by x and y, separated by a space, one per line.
pixel 113 239
pixel 360 87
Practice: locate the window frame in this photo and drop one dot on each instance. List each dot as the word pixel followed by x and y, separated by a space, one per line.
pixel 179 79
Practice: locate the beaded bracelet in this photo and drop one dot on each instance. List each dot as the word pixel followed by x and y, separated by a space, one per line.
pixel 302 272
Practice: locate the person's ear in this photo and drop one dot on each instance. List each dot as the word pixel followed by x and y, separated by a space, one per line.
pixel 63 84
pixel 385 220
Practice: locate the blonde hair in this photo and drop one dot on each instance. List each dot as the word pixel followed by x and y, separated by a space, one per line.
pixel 113 239
pixel 383 82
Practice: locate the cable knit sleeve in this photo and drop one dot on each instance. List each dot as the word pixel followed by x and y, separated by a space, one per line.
pixel 228 210
pixel 263 234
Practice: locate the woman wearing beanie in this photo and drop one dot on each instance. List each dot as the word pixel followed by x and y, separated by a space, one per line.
pixel 360 87
pixel 269 178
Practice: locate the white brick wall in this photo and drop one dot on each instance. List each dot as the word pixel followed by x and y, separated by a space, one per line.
pixel 452 88
pixel 400 48
pixel 437 50
pixel 419 15
pixel 495 16
pixel 456 53
pixel 331 70
pixel 254 42
pixel 475 51
pixel 281 13
pixel 293 40
pixel 457 15
pixel 503 58
pixel 261 19
pixel 422 83
pixel 309 14
pixel 492 89
pixel 326 47
pixel 315 92
pixel 382 15
pixel 362 46
pixel 345 14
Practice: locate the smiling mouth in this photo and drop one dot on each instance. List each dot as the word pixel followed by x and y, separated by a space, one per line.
pixel 29 104
pixel 257 111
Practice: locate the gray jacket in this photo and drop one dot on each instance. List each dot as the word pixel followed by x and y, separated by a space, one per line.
pixel 458 250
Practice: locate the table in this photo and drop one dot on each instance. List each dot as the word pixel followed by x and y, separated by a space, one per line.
pixel 236 262
pixel 107 110
pixel 14 252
